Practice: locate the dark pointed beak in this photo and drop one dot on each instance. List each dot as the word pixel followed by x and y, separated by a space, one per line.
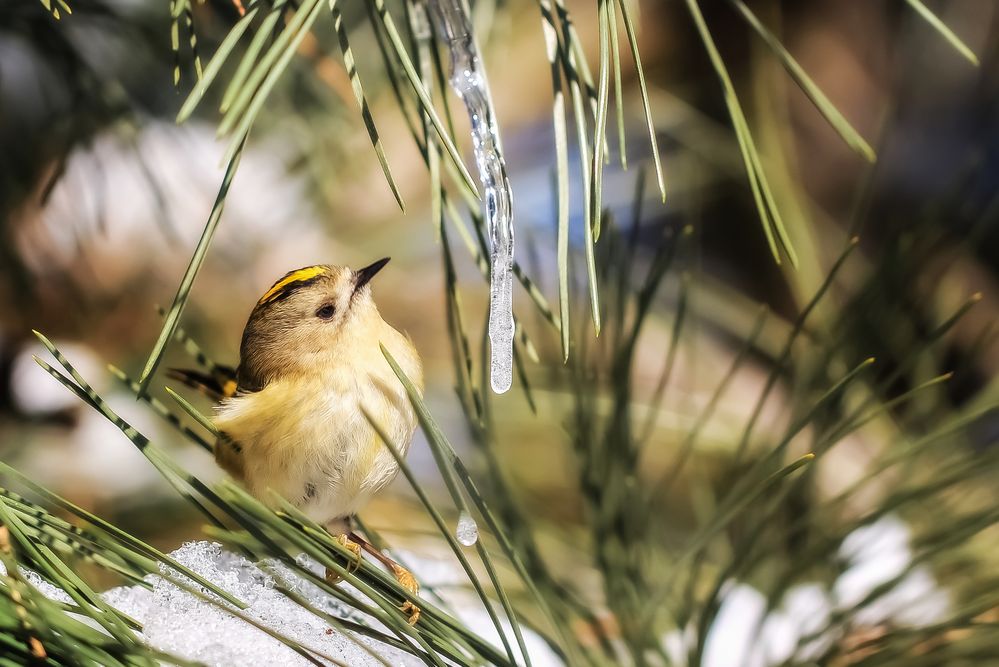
pixel 363 276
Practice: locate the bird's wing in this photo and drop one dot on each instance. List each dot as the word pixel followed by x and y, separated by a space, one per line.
pixel 217 384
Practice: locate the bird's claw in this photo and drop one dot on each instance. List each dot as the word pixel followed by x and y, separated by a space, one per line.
pixel 407 581
pixel 353 564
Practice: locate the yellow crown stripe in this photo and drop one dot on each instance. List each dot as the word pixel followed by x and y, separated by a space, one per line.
pixel 308 273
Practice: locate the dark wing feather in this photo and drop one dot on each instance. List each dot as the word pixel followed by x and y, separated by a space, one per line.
pixel 218 384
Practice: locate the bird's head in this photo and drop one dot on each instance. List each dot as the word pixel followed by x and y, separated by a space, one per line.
pixel 306 319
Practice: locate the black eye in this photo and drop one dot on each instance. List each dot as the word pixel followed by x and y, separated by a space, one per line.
pixel 326 312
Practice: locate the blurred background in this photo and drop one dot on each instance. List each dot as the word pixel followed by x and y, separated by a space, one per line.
pixel 103 198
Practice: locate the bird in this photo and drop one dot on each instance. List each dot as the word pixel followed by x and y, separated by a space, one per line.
pixel 292 417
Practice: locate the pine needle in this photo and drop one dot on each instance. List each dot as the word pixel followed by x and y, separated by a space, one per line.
pixel 814 93
pixel 934 21
pixel 187 282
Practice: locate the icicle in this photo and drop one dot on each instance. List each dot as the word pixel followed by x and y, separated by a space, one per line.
pixel 467 531
pixel 468 79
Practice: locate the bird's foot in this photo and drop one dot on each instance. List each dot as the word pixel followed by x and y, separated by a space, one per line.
pixel 407 581
pixel 353 565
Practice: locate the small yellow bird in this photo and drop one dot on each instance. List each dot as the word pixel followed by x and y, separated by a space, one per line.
pixel 291 414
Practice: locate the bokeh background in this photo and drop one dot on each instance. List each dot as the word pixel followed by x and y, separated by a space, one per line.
pixel 103 198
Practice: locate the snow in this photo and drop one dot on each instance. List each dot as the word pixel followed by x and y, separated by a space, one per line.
pixel 179 623
pixel 880 553
pixel 744 631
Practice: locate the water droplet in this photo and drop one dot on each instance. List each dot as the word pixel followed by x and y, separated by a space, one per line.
pixel 467 531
